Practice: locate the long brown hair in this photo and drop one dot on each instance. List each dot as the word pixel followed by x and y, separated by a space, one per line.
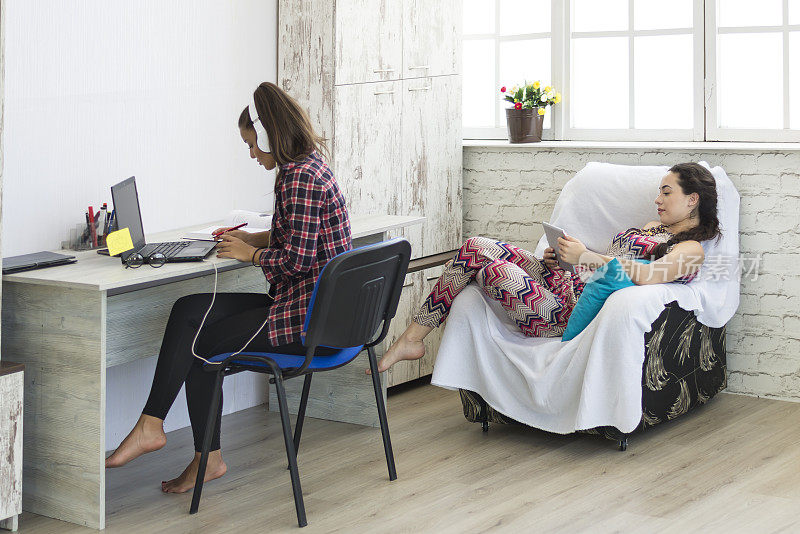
pixel 289 131
pixel 694 178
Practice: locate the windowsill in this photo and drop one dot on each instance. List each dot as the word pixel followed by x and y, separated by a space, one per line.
pixel 636 145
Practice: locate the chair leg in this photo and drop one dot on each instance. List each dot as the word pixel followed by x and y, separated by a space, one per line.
pixel 290 451
pixel 301 412
pixel 387 442
pixel 211 425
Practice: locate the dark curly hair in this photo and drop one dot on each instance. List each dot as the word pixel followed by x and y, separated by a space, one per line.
pixel 694 178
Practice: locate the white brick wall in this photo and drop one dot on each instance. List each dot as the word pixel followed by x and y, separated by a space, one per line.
pixel 509 190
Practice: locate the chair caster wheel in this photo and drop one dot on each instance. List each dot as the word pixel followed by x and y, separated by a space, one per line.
pixel 485 426
pixel 623 444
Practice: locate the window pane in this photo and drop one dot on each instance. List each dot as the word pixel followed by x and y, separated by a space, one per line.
pixel 525 60
pixel 478 16
pixel 794 80
pixel 599 96
pixel 479 94
pixel 748 13
pixel 750 80
pixel 794 11
pixel 522 61
pixel 662 14
pixel 663 79
pixel 594 15
pixel 532 16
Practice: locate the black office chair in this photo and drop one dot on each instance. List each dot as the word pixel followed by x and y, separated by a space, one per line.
pixel 355 293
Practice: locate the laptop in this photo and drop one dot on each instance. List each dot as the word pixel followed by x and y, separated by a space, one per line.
pixel 37 260
pixel 128 215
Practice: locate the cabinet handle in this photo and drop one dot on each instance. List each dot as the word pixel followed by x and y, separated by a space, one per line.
pixel 377 71
pixel 384 92
pixel 419 67
pixel 426 88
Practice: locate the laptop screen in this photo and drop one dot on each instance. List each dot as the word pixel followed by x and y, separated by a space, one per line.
pixel 127 213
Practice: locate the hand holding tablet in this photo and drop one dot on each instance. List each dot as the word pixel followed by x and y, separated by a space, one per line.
pixel 553 233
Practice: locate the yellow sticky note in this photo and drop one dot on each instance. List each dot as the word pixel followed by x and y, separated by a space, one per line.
pixel 119 242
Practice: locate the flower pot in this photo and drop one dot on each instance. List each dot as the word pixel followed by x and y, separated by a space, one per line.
pixel 524 125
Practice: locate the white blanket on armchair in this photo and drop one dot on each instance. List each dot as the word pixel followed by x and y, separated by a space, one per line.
pixel 594 379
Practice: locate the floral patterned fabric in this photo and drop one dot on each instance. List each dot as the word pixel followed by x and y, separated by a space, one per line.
pixel 684 366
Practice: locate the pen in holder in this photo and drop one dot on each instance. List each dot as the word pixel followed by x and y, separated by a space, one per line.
pixel 84 237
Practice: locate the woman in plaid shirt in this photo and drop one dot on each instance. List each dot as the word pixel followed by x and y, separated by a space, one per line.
pixel 309 227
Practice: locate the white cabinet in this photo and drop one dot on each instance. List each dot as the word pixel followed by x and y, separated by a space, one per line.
pixel 381 81
pixel 367 146
pixel 432 162
pixel 369 40
pixel 431 38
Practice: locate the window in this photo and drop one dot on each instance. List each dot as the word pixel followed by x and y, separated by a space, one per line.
pixel 661 70
pixel 505 42
pixel 755 61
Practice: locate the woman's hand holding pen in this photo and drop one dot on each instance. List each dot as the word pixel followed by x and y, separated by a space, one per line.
pixel 231 246
pixel 239 234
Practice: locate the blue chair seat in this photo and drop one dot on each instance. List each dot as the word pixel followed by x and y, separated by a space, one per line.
pixel 286 361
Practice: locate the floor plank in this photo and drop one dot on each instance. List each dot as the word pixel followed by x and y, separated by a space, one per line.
pixel 731 466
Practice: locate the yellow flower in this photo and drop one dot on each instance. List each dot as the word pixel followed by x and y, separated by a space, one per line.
pixel 536 85
pixel 541 111
pixel 548 89
pixel 558 98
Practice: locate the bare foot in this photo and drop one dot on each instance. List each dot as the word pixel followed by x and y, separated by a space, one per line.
pixel 214 469
pixel 404 348
pixel 147 436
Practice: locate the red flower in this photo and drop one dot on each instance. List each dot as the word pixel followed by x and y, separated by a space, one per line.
pixel 503 89
pixel 518 105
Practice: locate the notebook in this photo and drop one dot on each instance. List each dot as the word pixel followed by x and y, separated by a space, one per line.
pixel 256 222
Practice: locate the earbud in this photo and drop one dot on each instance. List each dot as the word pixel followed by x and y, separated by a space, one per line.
pixel 262 141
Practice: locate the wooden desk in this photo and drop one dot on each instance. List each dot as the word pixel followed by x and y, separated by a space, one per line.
pixel 68 324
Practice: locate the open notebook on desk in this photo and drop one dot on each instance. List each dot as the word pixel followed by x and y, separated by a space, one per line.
pixel 256 222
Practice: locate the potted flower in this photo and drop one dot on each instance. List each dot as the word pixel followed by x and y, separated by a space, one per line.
pixel 526 117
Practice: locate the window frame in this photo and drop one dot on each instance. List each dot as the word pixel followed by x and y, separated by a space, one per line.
pixel 714 132
pixel 556 30
pixel 705 107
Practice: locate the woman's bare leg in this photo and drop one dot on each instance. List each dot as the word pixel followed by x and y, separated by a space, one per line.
pixel 147 436
pixel 215 468
pixel 409 346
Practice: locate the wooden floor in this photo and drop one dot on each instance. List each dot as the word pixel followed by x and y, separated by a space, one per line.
pixel 730 466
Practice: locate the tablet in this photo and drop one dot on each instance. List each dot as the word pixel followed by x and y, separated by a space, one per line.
pixel 553 233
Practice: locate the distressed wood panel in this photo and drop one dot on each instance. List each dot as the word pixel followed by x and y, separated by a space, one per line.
pixel 306 58
pixel 2 98
pixel 432 162
pixel 432 38
pixel 367 146
pixel 11 428
pixel 135 321
pixel 368 41
pixel 59 334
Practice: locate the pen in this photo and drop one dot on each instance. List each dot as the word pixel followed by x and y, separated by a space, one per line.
pixel 229 229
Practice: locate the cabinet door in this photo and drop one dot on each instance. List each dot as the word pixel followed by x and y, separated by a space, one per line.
pixel 366 146
pixel 432 163
pixel 431 38
pixel 368 40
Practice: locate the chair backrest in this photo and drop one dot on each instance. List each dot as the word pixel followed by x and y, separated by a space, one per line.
pixel 356 292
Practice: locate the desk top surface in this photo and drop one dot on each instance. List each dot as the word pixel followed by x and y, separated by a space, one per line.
pixel 101 273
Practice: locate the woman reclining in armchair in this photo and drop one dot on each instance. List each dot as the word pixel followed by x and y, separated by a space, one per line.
pixel 540 296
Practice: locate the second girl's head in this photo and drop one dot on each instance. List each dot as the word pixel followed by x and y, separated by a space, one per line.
pixel 688 193
pixel 289 132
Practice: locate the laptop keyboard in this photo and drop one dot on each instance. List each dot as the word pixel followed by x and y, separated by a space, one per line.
pixel 168 249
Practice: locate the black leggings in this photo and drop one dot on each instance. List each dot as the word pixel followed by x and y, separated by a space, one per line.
pixel 232 321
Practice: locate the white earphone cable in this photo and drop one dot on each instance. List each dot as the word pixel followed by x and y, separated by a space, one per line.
pixel 213 298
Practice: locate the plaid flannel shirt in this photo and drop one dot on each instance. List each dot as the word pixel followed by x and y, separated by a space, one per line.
pixel 310 226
